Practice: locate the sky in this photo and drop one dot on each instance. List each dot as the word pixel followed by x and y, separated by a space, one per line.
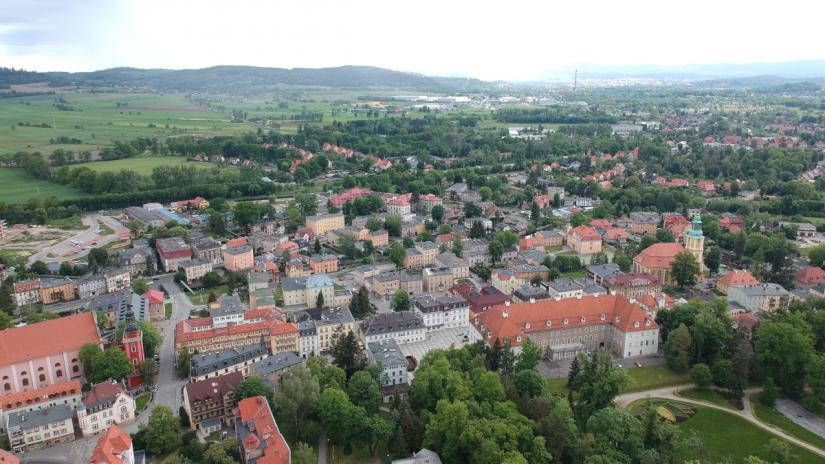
pixel 508 40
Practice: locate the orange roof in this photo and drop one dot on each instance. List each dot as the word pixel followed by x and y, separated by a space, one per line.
pixel 585 233
pixel 8 458
pixel 811 275
pixel 659 255
pixel 283 328
pixel 47 338
pixel 16 400
pixel 236 242
pixel 603 223
pixel 154 296
pixel 738 277
pixel 544 315
pixel 110 446
pixel 257 416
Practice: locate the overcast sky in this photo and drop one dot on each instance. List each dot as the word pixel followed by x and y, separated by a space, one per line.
pixel 514 40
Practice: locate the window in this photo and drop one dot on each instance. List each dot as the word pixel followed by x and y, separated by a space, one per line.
pixel 58 373
pixel 75 369
pixel 7 386
pixel 25 382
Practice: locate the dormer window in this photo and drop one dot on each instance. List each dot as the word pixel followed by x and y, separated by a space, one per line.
pixel 518 339
pixel 526 325
pixel 647 323
pixel 584 319
pixel 565 322
pixel 549 323
pixel 601 317
pixel 636 324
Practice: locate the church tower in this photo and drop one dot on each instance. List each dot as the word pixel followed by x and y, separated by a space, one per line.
pixel 695 241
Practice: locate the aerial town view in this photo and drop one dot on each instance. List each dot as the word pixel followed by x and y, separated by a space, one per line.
pixel 270 232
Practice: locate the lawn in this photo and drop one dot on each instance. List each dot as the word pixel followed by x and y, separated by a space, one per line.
pixel 641 378
pixel 724 437
pixel 141 401
pixel 773 417
pixel 723 399
pixel 168 308
pixel 17 186
pixel 201 296
pixel 142 165
pixel 104 229
pixel 69 223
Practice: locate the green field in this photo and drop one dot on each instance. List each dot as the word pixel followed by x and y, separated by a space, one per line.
pixel 771 416
pixel 729 438
pixel 641 378
pixel 97 120
pixel 723 399
pixel 17 186
pixel 142 165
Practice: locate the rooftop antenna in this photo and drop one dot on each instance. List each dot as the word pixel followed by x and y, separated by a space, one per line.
pixel 575 80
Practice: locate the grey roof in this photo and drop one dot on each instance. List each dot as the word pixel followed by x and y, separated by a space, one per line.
pixel 229 304
pixel 111 272
pixel 449 259
pixel 276 363
pixel 322 257
pixel 307 328
pixel 386 353
pixel 535 255
pixel 762 290
pixel 549 233
pixel 144 216
pixel 207 243
pixel 207 363
pixel 294 283
pixel 238 250
pixel 30 419
pixel 434 271
pixel 590 287
pixel 604 271
pixel 194 262
pixel 392 322
pixel 319 280
pixel 424 456
pixel 426 246
pixel 530 268
pixel 48 283
pixel 647 217
pixel 322 216
pixel 430 303
pixel 171 244
pixel 528 291
pixel 563 285
pixel 457 187
pixel 325 316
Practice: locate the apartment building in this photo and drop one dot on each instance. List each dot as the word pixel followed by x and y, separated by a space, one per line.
pixel 322 223
pixel 442 312
pixel 105 404
pixel 212 398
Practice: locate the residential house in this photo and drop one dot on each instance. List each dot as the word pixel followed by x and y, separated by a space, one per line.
pixel 388 356
pixel 256 429
pixel 139 260
pixel 207 365
pixel 809 277
pixel 117 279
pixel 402 326
pixel 26 292
pixel 91 286
pixel 195 269
pixel 29 431
pixel 601 273
pixel 437 279
pixel 584 240
pixel 442 312
pixel 528 292
pixel 644 222
pixel 55 290
pixel 551 238
pixel 758 298
pixel 329 323
pixel 480 300
pixel 238 259
pixel 32 401
pixel 322 223
pixel 304 291
pixel 323 263
pixel 274 368
pixel 211 399
pixel 115 447
pixel 735 277
pixel 157 309
pixel 105 404
pixel 421 256
pixel 458 266
pixel 505 280
pixel 207 248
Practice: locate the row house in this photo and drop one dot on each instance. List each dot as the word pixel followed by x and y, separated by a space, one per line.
pixel 117 279
pixel 29 431
pixel 56 290
pixel 421 256
pixel 31 401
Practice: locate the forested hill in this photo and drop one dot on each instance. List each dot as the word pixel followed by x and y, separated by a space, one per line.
pixel 247 78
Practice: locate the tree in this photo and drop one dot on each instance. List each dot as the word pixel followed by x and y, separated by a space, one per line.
pixel 769 394
pixel 110 364
pixel 253 386
pixel 5 320
pixel 496 250
pixel 363 391
pixel 373 224
pixel 39 267
pixel 816 256
pixel 598 384
pixel 297 397
pixel 211 279
pixel 87 353
pixel 216 454
pixel 184 417
pixel 401 301
pixel 184 363
pixel 345 352
pixel 785 347
pixel 530 356
pixel 701 376
pixel 722 374
pixel 317 246
pixel 623 262
pixel 247 213
pixel 471 210
pixel 304 454
pixel 334 408
pixel 684 269
pixel 147 370
pixel 151 338
pixel 328 376
pixel 397 254
pixel 180 276
pixel 779 450
pixel 360 306
pixel 437 213
pixel 162 432
pixel 140 286
pixel 393 225
pixel 319 301
pixel 535 213
pixel 677 349
pixel 616 430
pixel 458 246
pixel 712 259
pixel 529 383
pixel 476 230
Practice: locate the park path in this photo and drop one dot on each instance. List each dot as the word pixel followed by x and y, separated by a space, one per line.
pixel 669 393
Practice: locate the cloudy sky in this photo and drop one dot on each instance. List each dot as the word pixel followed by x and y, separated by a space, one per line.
pixel 515 40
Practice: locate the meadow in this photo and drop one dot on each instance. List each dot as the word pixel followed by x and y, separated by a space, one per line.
pixel 16 186
pixel 97 119
pixel 142 165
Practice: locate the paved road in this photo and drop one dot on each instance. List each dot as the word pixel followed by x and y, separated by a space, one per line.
pixel 66 250
pixel 747 413
pixel 168 394
pixel 801 416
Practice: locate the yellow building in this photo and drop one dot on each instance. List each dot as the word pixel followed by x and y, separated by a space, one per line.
pixel 322 223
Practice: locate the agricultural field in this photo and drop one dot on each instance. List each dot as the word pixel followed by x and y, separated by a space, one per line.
pixel 97 119
pixel 16 185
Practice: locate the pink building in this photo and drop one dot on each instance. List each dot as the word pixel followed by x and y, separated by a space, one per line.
pixel 238 259
pixel 45 353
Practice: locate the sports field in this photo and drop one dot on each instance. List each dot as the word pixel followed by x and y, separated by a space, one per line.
pixel 97 119
pixel 141 165
pixel 16 186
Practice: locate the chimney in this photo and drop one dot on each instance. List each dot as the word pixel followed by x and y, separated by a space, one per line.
pixel 532 300
pixel 505 314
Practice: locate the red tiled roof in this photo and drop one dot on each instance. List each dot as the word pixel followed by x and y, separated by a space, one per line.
pixel 110 446
pixel 603 223
pixel 747 320
pixel 47 338
pixel 578 312
pixel 214 388
pixel 102 391
pixel 585 233
pixel 811 275
pixel 659 255
pixel 237 242
pixel 256 414
pixel 738 277
pixel 8 458
pixel 15 400
pixel 154 296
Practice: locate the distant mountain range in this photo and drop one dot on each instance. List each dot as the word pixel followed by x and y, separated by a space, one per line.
pixel 249 78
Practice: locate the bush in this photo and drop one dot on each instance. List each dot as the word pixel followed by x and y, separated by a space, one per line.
pixel 701 376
